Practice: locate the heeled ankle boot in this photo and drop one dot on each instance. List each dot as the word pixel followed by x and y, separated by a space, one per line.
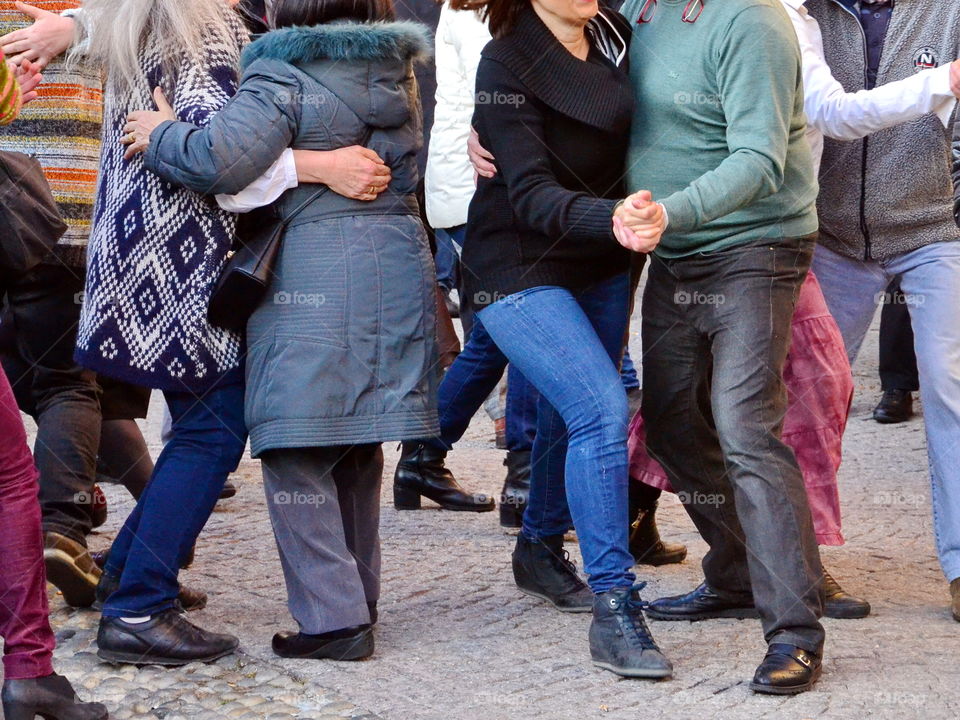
pixel 421 473
pixel 646 545
pixel 516 488
pixel 51 697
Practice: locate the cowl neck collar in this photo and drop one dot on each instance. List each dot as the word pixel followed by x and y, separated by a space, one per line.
pixel 587 91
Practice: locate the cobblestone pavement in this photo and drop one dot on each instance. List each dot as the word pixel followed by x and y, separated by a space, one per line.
pixel 456 640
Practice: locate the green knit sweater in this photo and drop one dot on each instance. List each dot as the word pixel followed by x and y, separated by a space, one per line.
pixel 718 136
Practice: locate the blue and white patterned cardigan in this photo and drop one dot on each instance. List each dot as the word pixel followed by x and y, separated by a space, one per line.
pixel 156 249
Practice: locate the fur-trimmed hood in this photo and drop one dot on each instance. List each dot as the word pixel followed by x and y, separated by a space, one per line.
pixel 357 42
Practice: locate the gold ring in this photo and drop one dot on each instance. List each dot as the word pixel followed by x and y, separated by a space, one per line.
pixel 373 189
pixel 129 138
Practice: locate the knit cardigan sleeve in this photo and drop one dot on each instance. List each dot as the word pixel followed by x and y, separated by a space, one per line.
pixel 9 93
pixel 515 135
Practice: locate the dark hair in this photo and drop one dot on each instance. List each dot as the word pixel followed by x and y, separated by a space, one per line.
pixel 500 15
pixel 284 13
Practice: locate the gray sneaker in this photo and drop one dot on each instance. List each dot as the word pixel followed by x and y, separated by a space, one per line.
pixel 620 640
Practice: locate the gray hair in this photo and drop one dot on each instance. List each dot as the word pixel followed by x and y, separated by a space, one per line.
pixel 117 30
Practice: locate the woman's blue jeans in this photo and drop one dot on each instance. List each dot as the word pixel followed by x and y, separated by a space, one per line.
pixel 568 344
pixel 209 437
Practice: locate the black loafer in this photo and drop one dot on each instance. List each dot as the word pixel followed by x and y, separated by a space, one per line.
pixel 168 638
pixel 701 604
pixel 786 670
pixel 353 643
pixel 895 406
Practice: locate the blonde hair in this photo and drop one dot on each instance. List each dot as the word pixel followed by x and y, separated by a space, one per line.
pixel 116 31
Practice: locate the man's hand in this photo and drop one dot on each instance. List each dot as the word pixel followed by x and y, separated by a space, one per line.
pixel 480 157
pixel 48 36
pixel 955 78
pixel 639 222
pixel 143 122
pixel 28 75
pixel 355 172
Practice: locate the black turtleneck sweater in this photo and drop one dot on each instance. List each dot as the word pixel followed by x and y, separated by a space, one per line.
pixel 559 128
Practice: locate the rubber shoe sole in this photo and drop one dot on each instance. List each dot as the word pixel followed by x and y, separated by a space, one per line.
pixel 79 588
pixel 792 690
pixel 546 598
pixel 134 659
pixel 734 613
pixel 655 674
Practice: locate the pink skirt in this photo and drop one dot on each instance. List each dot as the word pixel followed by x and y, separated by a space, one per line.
pixel 820 386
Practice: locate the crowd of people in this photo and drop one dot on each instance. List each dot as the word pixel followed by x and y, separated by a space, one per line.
pixel 778 168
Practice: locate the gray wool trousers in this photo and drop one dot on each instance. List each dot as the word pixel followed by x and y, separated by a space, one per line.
pixel 324 505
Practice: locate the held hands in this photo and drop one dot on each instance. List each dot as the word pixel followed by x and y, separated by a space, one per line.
pixel 143 122
pixel 355 172
pixel 638 222
pixel 48 36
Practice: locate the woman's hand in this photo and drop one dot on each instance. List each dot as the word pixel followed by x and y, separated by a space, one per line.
pixel 638 223
pixel 481 158
pixel 143 122
pixel 355 172
pixel 48 36
pixel 28 75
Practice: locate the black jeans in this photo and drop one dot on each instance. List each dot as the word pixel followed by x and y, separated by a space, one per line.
pixel 898 360
pixel 62 397
pixel 716 331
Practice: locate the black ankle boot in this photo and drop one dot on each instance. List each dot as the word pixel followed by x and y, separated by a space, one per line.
pixel 620 640
pixel 421 472
pixel 51 697
pixel 516 488
pixel 542 568
pixel 646 545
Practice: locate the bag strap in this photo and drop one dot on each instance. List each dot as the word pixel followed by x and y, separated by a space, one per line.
pixel 367 134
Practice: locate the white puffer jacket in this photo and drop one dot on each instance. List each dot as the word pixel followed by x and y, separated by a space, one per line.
pixel 461 35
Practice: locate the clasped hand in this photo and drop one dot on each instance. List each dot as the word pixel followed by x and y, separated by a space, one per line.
pixel 638 222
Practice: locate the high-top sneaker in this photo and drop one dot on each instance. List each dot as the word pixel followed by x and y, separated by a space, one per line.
pixel 620 640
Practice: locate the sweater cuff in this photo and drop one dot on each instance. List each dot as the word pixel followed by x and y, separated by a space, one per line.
pixel 591 218
pixel 678 216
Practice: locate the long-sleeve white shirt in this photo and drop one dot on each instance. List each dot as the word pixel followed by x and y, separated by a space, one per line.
pixel 837 114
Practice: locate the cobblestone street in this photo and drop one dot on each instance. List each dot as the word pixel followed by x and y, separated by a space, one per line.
pixel 456 640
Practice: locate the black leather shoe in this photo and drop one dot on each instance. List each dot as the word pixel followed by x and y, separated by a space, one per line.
pixel 840 604
pixel 786 670
pixel 421 472
pixel 516 488
pixel 896 406
pixel 701 604
pixel 167 638
pixel 51 697
pixel 70 567
pixel 229 490
pixel 187 600
pixel 352 643
pixel 543 569
pixel 620 640
pixel 646 545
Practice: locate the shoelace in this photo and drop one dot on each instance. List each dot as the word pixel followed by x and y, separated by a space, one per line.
pixel 633 609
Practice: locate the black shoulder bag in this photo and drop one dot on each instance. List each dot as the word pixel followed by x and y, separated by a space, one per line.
pixel 28 215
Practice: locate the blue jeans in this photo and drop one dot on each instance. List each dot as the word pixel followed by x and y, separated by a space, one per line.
pixel 568 345
pixel 930 280
pixel 628 372
pixel 469 381
pixel 209 437
pixel 447 258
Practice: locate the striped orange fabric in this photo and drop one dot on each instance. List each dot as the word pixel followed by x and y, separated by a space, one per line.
pixel 61 128
pixel 9 93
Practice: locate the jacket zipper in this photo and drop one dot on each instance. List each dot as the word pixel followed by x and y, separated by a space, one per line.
pixel 864 228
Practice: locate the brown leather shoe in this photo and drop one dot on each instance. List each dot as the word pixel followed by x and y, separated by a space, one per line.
pixel 71 569
pixel 841 604
pixel 955 594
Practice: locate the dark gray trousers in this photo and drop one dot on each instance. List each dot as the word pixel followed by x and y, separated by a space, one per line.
pixel 716 332
pixel 324 504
